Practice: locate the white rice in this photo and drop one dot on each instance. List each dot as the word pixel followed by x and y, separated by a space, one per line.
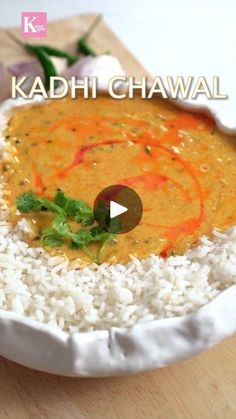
pixel 49 290
pixel 96 297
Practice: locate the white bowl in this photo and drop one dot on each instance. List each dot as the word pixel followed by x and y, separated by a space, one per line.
pixel 117 351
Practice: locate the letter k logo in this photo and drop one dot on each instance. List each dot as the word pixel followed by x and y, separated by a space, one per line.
pixel 28 24
pixel 34 24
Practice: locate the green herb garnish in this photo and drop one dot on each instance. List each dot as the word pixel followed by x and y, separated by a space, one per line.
pixel 29 202
pixel 77 209
pixel 50 238
pixel 60 231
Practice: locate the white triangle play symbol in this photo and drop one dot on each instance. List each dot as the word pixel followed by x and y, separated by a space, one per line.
pixel 116 209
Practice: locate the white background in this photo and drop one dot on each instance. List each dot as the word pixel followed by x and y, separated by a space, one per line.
pixel 156 31
pixel 170 37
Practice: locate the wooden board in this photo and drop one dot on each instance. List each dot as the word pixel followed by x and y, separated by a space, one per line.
pixel 200 388
pixel 64 34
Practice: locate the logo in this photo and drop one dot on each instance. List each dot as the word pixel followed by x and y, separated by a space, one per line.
pixel 34 24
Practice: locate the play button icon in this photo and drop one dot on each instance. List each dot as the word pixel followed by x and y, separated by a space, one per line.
pixel 118 209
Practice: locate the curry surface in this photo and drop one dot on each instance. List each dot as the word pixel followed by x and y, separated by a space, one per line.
pixel 183 169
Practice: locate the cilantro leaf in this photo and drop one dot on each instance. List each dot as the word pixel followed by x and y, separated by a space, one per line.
pixel 61 226
pixel 60 198
pixel 81 238
pixel 50 238
pixel 28 202
pixel 60 230
pixel 77 209
pixel 85 215
pixel 50 206
pixel 98 234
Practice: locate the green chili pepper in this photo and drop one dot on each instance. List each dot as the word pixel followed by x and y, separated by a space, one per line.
pixel 82 44
pixel 84 48
pixel 48 67
pixel 55 52
pixel 43 53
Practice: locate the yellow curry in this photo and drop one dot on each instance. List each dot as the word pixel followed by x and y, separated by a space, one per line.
pixel 181 166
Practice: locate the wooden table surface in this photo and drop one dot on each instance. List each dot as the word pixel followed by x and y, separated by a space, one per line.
pixel 200 388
